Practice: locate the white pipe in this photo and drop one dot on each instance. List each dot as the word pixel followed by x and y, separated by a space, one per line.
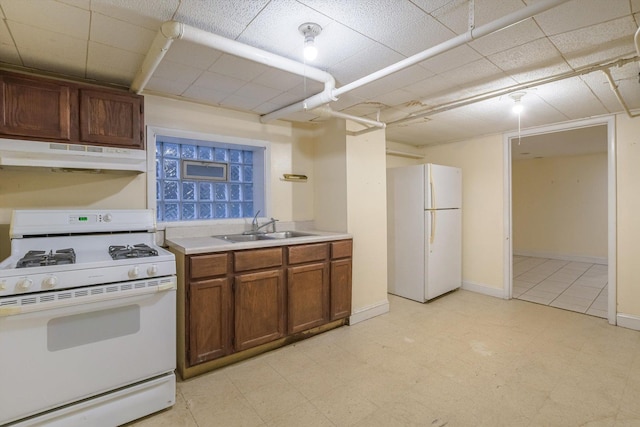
pixel 470 35
pixel 159 47
pixel 616 92
pixel 325 110
pixel 523 86
pixel 172 30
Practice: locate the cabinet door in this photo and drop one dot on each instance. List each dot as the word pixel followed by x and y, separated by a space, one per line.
pixel 308 296
pixel 340 288
pixel 33 108
pixel 111 119
pixel 259 308
pixel 209 320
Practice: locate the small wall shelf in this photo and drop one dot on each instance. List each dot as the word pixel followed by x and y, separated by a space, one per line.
pixel 293 177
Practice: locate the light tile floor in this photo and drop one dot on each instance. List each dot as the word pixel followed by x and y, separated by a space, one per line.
pixel 575 286
pixel 461 360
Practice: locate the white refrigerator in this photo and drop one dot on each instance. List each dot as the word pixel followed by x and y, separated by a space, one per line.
pixel 424 229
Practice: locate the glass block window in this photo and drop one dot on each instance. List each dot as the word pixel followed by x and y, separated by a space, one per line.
pixel 181 199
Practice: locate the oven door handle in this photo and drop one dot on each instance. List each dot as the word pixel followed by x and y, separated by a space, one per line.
pixel 89 299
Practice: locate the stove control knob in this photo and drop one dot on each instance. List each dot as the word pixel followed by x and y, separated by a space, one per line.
pixel 152 270
pixel 134 272
pixel 24 284
pixel 50 282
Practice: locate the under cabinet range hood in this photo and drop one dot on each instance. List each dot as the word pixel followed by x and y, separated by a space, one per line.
pixel 65 157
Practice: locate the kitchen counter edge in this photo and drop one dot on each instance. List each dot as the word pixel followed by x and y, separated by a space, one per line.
pixel 207 244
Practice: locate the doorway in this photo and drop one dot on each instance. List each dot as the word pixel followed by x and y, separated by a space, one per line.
pixel 560 203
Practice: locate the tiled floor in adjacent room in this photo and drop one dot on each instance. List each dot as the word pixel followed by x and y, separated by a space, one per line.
pixel 461 360
pixel 575 286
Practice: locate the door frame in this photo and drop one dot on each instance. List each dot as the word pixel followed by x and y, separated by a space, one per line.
pixel 609 121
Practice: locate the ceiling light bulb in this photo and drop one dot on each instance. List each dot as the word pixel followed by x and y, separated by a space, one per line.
pixel 310 30
pixel 518 107
pixel 310 50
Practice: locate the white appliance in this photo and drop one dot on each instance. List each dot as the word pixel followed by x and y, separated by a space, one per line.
pixel 424 229
pixel 61 156
pixel 87 319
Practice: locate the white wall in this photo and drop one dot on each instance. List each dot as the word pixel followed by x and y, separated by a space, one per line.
pixel 482 207
pixel 560 207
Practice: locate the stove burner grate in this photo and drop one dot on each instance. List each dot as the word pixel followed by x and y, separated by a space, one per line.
pixel 42 258
pixel 136 251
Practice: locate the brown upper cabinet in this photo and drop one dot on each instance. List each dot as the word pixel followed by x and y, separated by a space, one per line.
pixel 36 108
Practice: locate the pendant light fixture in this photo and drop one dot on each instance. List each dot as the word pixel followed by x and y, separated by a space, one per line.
pixel 518 108
pixel 310 30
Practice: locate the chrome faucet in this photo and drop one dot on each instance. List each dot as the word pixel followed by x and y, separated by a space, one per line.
pixel 255 227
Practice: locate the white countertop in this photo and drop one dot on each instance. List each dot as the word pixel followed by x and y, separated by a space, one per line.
pixel 206 244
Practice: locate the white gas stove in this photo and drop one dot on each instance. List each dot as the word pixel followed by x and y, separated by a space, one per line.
pixel 92 295
pixel 53 249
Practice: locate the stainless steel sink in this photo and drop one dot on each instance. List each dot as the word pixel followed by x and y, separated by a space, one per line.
pixel 286 234
pixel 237 238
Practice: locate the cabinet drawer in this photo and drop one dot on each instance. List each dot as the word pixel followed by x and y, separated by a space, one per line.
pixel 308 253
pixel 341 249
pixel 208 265
pixel 257 258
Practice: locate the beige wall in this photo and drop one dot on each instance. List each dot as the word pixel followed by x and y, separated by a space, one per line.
pixel 367 216
pixel 560 206
pixel 482 205
pixel 628 222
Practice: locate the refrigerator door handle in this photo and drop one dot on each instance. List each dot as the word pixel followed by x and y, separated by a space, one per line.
pixel 432 234
pixel 433 190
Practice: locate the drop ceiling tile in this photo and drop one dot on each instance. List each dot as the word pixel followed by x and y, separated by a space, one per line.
pixel 477 77
pixel 265 108
pixel 192 55
pixel 580 14
pixel 598 43
pixel 626 78
pixel 46 50
pixel 149 14
pixel 346 101
pixel 534 60
pixel 241 103
pixel 9 54
pixel 82 4
pixel 369 17
pixel 424 33
pixel 635 6
pixel 171 87
pixel 515 35
pixel 257 92
pixel 238 68
pixel 218 82
pixel 397 80
pixel 106 63
pixel 274 29
pixel 278 79
pixel 364 63
pixel 455 15
pixel 395 97
pixel 174 71
pixel 451 59
pixel 572 97
pixel 209 96
pixel 51 16
pixel 430 6
pixel 287 98
pixel 225 18
pixel 120 34
pixel 432 86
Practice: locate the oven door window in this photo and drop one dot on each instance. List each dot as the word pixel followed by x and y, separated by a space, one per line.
pixel 87 328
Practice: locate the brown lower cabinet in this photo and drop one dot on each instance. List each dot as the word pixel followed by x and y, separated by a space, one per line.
pixel 230 303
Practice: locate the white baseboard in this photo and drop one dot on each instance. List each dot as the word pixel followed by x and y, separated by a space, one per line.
pixel 369 312
pixel 563 257
pixel 483 289
pixel 628 321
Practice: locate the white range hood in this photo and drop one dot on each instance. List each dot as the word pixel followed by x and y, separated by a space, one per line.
pixel 57 156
